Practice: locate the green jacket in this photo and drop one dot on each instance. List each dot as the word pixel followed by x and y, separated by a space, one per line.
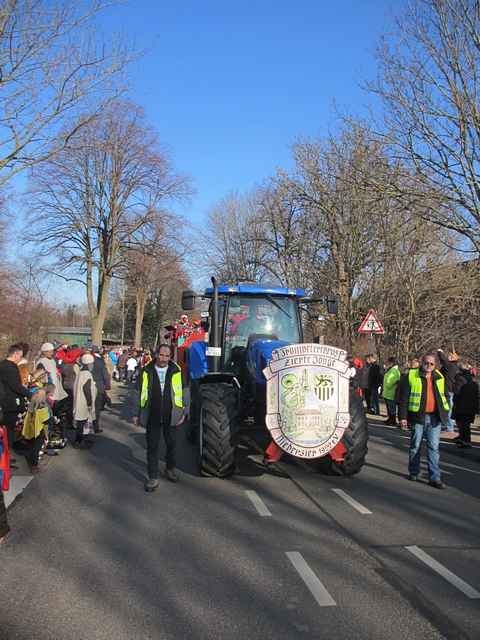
pixel 390 382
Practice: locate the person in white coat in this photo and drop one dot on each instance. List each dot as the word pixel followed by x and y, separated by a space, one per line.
pixel 84 395
pixel 48 362
pixel 60 396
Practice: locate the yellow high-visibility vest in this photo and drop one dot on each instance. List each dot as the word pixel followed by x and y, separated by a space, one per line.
pixel 415 382
pixel 177 390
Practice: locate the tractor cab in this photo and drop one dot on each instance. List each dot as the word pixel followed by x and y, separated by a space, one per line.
pixel 256 320
pixel 246 323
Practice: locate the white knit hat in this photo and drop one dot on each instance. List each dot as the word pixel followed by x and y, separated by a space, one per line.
pixel 47 346
pixel 87 358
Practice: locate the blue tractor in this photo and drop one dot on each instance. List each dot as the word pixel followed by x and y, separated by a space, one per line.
pixel 247 324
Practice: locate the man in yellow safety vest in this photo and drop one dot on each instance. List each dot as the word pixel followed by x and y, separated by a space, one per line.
pixel 423 404
pixel 162 407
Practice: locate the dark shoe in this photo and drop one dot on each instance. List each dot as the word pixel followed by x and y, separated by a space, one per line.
pixel 34 469
pixel 463 445
pixel 98 430
pixel 438 484
pixel 172 475
pixel 413 477
pixel 151 484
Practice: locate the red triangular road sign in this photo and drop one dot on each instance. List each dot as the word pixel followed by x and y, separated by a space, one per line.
pixel 371 324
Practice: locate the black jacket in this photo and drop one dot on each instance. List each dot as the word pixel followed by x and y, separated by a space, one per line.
pixel 15 392
pixel 466 401
pixel 363 375
pixel 449 370
pixel 419 416
pixel 375 377
pixel 100 375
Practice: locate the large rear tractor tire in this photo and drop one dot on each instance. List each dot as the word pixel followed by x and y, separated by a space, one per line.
pixel 218 424
pixel 355 441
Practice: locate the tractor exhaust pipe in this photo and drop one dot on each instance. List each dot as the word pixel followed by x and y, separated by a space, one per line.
pixel 214 342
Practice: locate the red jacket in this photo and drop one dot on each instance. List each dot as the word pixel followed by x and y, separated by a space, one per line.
pixel 4 460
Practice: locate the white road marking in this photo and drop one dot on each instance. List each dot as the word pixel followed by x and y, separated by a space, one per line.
pixel 382 440
pixel 454 580
pixel 258 503
pixel 456 466
pixel 17 485
pixel 316 588
pixel 352 502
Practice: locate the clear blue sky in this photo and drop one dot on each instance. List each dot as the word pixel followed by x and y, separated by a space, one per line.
pixel 230 85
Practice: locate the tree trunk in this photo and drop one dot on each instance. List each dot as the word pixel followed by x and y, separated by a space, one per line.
pixel 98 319
pixel 97 330
pixel 141 299
pixel 159 315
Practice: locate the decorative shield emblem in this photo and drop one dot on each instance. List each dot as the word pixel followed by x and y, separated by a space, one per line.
pixel 307 398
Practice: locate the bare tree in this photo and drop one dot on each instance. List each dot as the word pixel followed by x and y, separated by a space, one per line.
pixel 232 241
pixel 162 306
pixel 164 302
pixel 429 83
pixel 55 76
pixel 151 261
pixel 332 183
pixel 293 250
pixel 91 201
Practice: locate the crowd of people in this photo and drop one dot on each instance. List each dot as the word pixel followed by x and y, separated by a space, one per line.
pixel 461 389
pixel 62 387
pixel 438 392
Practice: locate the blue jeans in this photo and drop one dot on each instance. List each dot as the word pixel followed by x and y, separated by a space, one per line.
pixel 431 430
pixel 451 425
pixel 374 401
pixel 392 409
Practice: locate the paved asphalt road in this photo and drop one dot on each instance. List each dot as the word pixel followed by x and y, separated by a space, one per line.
pixel 282 553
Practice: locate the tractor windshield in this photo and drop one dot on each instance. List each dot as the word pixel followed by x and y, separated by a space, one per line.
pixel 274 317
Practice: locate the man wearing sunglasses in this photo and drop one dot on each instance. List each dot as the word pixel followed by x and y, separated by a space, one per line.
pixel 424 406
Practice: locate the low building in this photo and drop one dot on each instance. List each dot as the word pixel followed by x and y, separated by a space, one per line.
pixel 69 335
pixel 78 335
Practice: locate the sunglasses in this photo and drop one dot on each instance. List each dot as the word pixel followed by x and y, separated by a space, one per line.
pixel 430 363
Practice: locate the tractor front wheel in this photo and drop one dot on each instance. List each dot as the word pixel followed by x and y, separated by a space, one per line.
pixel 218 423
pixel 355 440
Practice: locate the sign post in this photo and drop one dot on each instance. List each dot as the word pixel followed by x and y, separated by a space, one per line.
pixel 371 326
